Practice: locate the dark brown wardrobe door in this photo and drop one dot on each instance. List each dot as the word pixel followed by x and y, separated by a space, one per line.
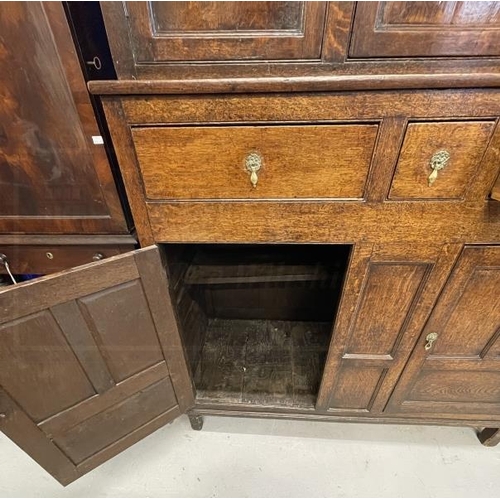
pixel 161 32
pixel 454 371
pixel 426 29
pixel 53 178
pixel 90 362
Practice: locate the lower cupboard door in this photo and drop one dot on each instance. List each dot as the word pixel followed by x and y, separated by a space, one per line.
pixel 91 362
pixel 454 371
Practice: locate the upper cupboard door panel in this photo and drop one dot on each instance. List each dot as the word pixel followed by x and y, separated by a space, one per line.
pixel 221 31
pixel 426 29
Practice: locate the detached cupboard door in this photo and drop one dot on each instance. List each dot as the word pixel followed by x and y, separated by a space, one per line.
pixel 454 371
pixel 426 29
pixel 90 362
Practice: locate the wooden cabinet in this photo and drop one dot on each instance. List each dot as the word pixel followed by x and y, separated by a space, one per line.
pixel 45 255
pixel 454 371
pixel 320 180
pixel 426 29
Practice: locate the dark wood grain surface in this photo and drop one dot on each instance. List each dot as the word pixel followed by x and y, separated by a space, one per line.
pixel 52 258
pixel 53 179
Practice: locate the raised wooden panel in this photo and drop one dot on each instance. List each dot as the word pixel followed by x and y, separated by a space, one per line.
pixel 95 366
pixel 161 32
pixel 474 319
pixel 466 143
pixel 456 387
pixel 426 29
pixel 238 17
pixel 39 368
pixel 330 161
pixel 123 328
pixel 459 374
pixel 103 429
pixel 454 14
pixel 53 178
pixel 389 292
pixel 356 387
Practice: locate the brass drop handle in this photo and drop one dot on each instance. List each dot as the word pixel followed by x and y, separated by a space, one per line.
pixel 430 339
pixel 253 163
pixel 437 163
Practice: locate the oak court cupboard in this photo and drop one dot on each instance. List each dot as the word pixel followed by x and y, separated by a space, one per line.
pixel 315 189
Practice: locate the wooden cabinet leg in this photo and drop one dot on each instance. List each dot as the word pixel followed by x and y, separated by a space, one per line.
pixel 196 422
pixel 489 436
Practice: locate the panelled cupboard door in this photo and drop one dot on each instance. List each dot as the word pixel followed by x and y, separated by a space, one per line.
pixel 90 362
pixel 426 29
pixel 388 294
pixel 455 369
pixel 160 32
pixel 53 178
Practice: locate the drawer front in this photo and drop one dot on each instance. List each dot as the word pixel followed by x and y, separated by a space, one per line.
pixel 440 160
pixel 46 259
pixel 295 161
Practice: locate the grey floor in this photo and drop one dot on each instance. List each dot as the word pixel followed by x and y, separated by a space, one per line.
pixel 263 458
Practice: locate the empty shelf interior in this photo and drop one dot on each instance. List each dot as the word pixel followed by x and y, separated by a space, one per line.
pixel 264 264
pixel 261 362
pixel 256 320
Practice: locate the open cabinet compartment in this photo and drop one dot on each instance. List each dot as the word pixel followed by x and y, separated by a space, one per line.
pixel 256 320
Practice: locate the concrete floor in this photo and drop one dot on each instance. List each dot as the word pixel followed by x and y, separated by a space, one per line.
pixel 263 458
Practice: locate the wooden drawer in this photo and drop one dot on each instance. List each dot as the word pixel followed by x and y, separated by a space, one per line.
pixel 459 146
pixel 296 161
pixel 47 259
